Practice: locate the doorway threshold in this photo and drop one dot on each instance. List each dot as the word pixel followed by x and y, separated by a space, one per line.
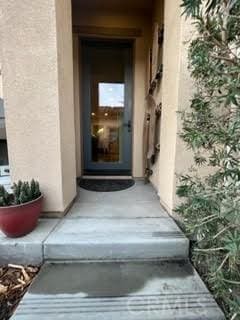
pixel 106 177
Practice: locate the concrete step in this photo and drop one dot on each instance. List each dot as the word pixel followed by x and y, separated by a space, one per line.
pixel 118 291
pixel 116 238
pixel 120 209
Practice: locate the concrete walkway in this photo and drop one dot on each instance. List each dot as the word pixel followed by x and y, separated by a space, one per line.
pixel 118 291
pixel 128 224
pixel 115 256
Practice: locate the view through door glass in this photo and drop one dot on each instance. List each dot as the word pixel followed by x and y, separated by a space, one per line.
pixel 107 106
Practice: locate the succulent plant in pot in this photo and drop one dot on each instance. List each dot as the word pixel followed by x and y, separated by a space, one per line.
pixel 20 210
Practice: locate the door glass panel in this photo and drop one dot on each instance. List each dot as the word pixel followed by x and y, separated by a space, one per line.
pixel 107 105
pixel 111 95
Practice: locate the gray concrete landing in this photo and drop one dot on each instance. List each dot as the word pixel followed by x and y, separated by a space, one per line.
pixel 118 291
pixel 28 249
pixel 129 224
pixel 116 238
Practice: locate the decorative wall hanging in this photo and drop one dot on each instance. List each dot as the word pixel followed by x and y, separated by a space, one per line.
pixel 152 121
pixel 151 133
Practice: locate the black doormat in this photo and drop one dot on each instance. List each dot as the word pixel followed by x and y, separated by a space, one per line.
pixel 105 185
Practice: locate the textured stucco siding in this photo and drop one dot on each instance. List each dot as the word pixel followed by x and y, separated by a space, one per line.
pixel 177 88
pixel 66 98
pixel 158 17
pixel 2 115
pixel 36 100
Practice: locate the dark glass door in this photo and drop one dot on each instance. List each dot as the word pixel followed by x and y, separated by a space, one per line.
pixel 107 107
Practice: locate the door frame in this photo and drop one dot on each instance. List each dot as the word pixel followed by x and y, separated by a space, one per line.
pixel 109 168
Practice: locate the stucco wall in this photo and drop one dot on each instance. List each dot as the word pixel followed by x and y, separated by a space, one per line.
pixel 184 156
pixel 141 54
pixel 177 88
pixel 158 17
pixel 38 90
pixel 2 120
pixel 66 98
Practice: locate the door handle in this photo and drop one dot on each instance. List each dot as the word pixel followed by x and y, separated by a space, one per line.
pixel 128 125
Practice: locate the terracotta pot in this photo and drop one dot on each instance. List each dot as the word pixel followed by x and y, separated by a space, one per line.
pixel 17 221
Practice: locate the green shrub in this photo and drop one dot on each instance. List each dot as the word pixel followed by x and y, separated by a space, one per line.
pixel 22 192
pixel 4 197
pixel 211 204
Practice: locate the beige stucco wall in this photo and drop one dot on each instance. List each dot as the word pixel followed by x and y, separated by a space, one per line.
pixel 183 156
pixel 177 88
pixel 140 90
pixel 158 17
pixel 38 92
pixel 113 19
pixel 2 121
pixel 66 98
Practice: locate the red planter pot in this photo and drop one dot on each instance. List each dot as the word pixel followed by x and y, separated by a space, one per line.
pixel 17 221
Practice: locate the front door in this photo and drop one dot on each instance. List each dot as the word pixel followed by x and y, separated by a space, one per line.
pixel 107 107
